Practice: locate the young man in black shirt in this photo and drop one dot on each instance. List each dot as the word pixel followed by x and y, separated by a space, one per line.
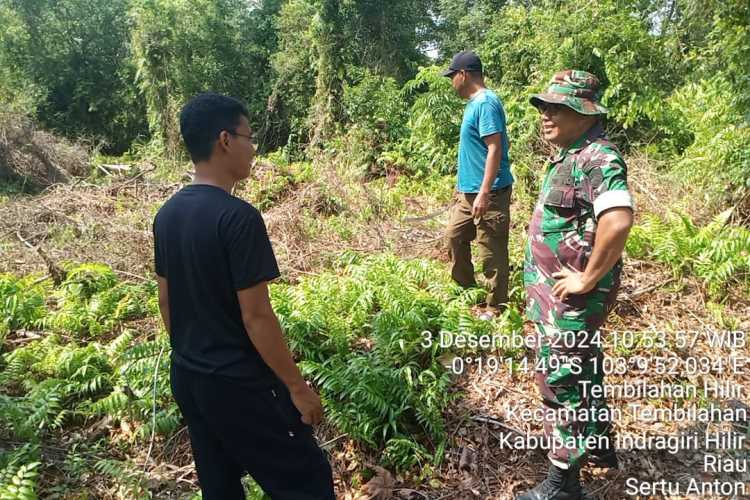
pixel 246 405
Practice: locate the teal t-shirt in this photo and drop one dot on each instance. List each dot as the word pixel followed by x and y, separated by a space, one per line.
pixel 483 116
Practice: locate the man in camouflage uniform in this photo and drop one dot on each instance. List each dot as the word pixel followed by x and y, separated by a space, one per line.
pixel 572 272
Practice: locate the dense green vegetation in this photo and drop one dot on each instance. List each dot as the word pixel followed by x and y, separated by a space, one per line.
pixel 358 329
pixel 352 86
pixel 675 71
pixel 350 80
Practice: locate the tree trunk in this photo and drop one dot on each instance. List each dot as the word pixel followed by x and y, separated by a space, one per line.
pixel 326 110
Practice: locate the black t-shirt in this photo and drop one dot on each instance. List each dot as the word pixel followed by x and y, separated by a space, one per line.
pixel 208 245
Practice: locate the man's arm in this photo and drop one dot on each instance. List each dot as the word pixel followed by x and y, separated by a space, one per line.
pixel 611 234
pixel 491 166
pixel 164 301
pixel 264 331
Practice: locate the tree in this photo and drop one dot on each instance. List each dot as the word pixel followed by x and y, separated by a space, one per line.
pixel 388 36
pixel 78 73
pixel 462 24
pixel 327 111
pixel 182 48
pixel 285 120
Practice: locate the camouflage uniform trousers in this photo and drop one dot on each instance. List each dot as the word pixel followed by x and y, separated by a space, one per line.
pixel 562 363
pixel 491 232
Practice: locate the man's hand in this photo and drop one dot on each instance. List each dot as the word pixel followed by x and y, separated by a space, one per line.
pixel 264 331
pixel 611 233
pixel 307 402
pixel 481 203
pixel 164 302
pixel 570 282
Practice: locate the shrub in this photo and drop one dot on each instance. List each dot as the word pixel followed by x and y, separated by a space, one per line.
pixel 434 123
pixel 718 159
pixel 526 45
pixel 375 102
pixel 72 76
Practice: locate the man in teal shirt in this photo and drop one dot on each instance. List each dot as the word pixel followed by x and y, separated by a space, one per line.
pixel 484 186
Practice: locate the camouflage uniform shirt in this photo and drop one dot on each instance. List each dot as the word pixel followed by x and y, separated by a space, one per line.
pixel 583 180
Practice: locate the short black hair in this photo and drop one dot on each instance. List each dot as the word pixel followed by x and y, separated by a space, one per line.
pixel 204 117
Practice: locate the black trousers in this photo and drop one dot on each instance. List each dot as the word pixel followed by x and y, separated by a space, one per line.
pixel 236 429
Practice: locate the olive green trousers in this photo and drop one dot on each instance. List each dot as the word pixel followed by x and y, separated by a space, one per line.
pixel 491 233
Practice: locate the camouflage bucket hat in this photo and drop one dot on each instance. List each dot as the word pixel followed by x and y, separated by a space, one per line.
pixel 578 90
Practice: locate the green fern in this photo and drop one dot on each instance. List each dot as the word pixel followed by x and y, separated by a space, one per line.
pixel 404 454
pixel 22 302
pixel 359 331
pixel 717 253
pixel 19 483
pixel 19 473
pixel 92 301
pixel 125 476
pixel 57 382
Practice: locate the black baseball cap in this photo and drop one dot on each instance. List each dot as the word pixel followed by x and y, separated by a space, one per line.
pixel 465 60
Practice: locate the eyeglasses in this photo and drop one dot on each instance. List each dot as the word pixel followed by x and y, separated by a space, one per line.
pixel 550 109
pixel 250 137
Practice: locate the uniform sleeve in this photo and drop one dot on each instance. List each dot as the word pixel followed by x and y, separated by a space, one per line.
pixel 609 184
pixel 251 257
pixel 491 119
